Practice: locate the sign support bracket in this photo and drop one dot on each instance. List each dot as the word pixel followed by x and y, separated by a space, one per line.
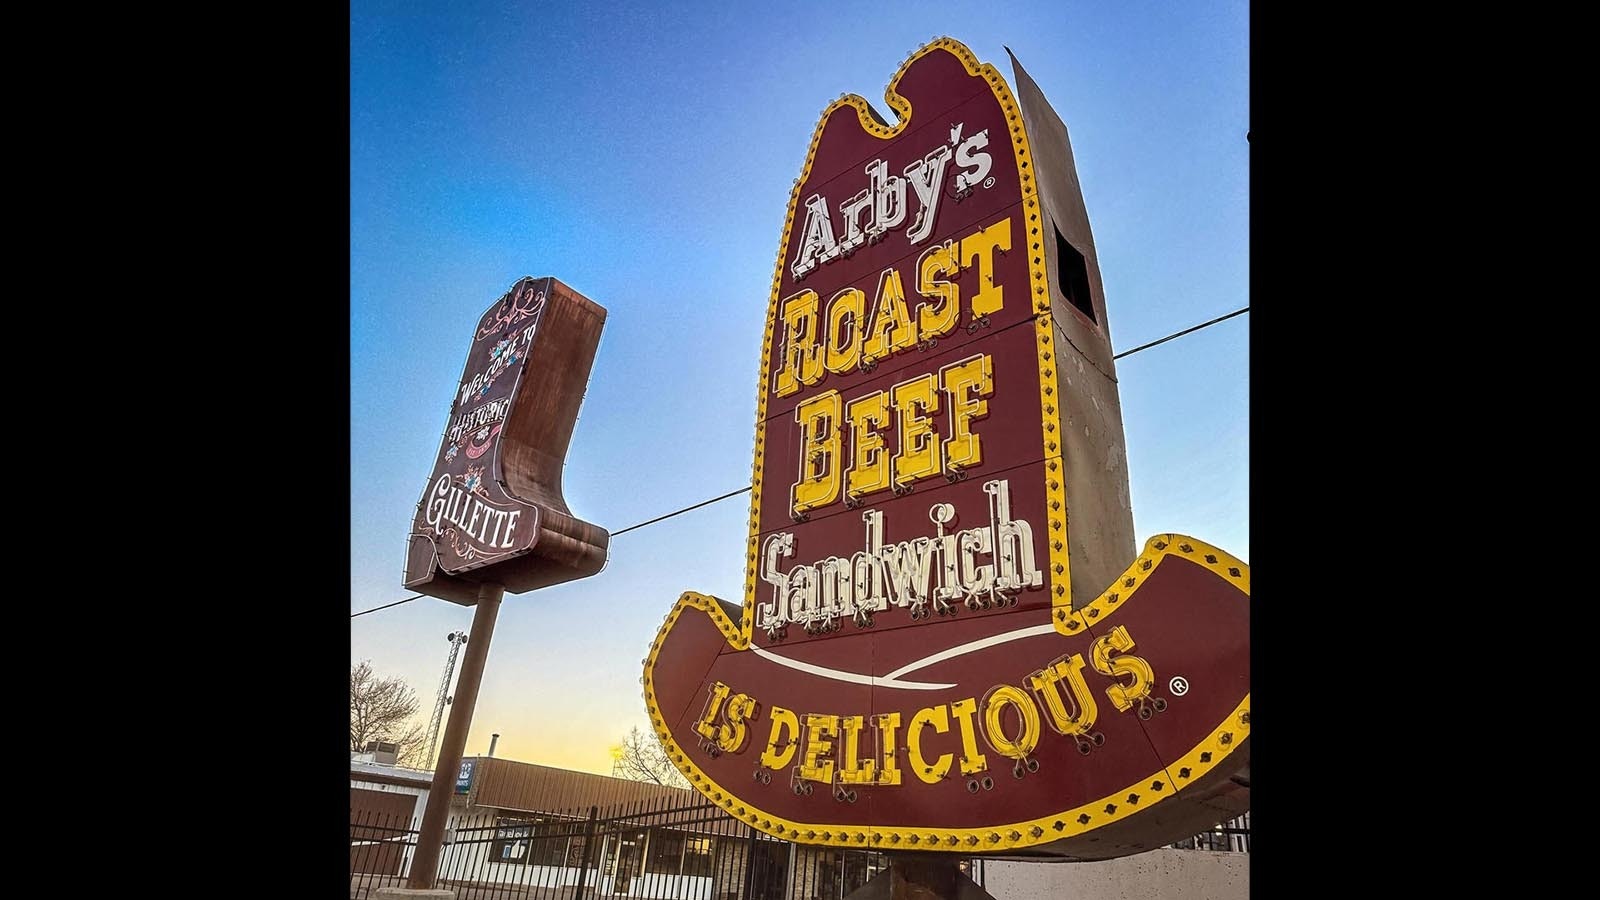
pixel 921 876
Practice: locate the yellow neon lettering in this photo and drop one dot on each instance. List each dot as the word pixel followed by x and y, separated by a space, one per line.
pixel 981 245
pixel 869 468
pixel 853 769
pixel 704 728
pixel 819 452
pixel 888 723
pixel 850 303
pixel 1122 695
pixel 939 718
pixel 783 720
pixel 936 320
pixel 994 705
pixel 1070 670
pixel 967 382
pixel 971 760
pixel 802 352
pixel 919 455
pixel 818 727
pixel 731 735
pixel 891 324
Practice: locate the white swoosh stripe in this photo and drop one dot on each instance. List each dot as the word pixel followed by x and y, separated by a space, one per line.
pixel 891 680
pixel 838 675
pixel 970 646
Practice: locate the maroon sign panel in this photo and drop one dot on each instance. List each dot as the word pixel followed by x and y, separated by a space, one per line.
pixel 475 520
pixel 911 667
pixel 492 510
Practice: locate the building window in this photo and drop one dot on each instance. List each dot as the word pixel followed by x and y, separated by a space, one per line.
pixel 549 842
pixel 697 854
pixel 666 852
pixel 510 840
pixel 575 852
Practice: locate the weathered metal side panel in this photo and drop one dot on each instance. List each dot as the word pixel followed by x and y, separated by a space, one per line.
pixel 1100 534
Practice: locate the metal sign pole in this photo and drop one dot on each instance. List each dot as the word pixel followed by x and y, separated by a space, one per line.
pixel 921 876
pixel 425 862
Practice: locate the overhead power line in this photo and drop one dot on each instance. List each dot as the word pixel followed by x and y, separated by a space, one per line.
pixel 387 605
pixel 662 518
pixel 680 512
pixel 1178 334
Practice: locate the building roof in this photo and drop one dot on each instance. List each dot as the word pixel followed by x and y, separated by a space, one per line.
pixel 365 771
pixel 527 787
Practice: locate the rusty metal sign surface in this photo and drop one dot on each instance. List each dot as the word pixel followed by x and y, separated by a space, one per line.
pixel 912 666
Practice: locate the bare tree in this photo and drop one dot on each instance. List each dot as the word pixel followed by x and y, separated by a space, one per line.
pixel 381 709
pixel 642 758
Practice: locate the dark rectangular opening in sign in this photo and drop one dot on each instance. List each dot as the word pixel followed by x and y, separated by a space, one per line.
pixel 1072 274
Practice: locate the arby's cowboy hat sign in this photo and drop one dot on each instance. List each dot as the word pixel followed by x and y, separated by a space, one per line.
pixel 948 639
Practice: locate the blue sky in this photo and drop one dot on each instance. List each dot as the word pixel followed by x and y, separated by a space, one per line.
pixel 644 153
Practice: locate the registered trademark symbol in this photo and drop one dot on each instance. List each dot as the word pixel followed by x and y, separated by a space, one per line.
pixel 989 182
pixel 1180 686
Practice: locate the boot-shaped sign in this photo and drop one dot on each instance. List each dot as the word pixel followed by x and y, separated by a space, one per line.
pixel 947 639
pixel 492 510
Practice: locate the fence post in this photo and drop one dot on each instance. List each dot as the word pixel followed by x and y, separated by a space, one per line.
pixel 749 865
pixel 588 853
pixel 791 874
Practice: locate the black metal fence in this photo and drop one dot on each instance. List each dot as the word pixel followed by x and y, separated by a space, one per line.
pixel 1232 836
pixel 682 850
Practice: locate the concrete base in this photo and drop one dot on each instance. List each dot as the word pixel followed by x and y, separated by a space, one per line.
pixel 400 893
pixel 1163 874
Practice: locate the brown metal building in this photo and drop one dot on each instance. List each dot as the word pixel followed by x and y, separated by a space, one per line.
pixel 493 783
pixel 505 784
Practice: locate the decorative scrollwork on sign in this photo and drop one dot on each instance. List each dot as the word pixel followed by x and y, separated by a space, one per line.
pixel 463 549
pixel 525 304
